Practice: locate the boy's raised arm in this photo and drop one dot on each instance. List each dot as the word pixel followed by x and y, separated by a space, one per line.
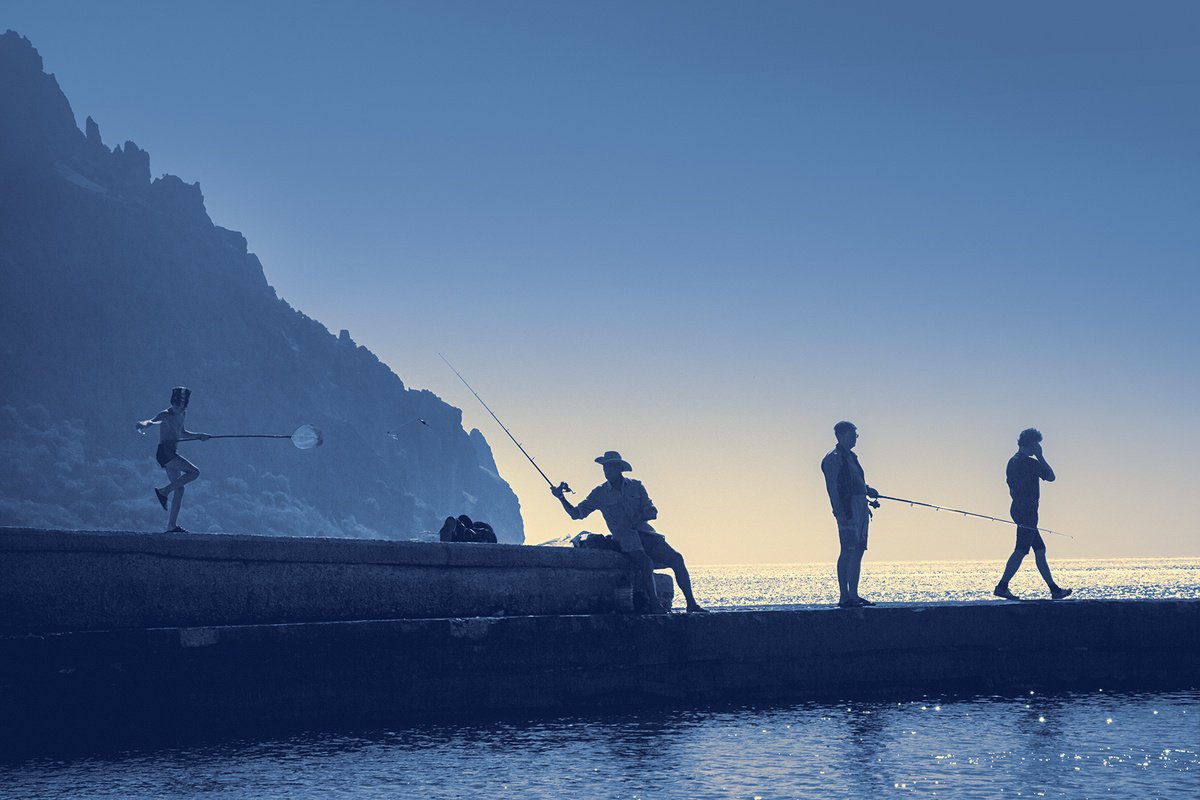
pixel 146 423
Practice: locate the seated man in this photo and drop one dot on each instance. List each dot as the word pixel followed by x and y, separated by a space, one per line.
pixel 627 511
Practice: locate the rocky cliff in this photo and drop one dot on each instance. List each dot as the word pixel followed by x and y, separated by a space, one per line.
pixel 115 286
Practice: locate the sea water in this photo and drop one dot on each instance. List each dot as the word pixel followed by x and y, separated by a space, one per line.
pixel 768 586
pixel 1078 745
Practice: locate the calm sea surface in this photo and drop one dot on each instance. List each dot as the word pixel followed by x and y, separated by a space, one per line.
pixel 787 585
pixel 1093 744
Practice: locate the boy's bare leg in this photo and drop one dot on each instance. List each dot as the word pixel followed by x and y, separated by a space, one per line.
pixel 181 472
pixel 176 503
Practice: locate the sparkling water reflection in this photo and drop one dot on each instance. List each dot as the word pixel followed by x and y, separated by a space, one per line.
pixel 1130 745
pixel 784 585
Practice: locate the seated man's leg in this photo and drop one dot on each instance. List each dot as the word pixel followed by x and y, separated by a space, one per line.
pixel 667 557
pixel 631 545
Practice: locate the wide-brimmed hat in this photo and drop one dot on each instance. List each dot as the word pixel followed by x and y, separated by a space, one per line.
pixel 613 457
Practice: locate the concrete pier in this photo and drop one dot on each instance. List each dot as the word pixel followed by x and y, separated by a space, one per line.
pixel 91 580
pixel 167 679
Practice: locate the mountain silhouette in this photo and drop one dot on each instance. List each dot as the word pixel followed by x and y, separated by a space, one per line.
pixel 115 287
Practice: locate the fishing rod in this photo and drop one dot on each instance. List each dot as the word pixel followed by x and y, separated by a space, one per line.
pixel 562 486
pixel 306 437
pixel 967 514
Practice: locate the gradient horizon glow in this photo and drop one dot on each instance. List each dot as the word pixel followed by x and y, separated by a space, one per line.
pixel 701 233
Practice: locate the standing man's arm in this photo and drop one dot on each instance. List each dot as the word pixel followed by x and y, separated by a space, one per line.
pixel 1045 473
pixel 185 435
pixel 832 472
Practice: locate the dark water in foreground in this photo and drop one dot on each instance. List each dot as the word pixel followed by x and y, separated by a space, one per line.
pixel 1074 746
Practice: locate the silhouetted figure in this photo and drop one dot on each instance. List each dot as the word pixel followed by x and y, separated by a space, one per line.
pixel 848 493
pixel 627 511
pixel 180 471
pixel 1026 469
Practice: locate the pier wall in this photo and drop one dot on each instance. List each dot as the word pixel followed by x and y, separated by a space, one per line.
pixel 168 682
pixel 154 636
pixel 84 580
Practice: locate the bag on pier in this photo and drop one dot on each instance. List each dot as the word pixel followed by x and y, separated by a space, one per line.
pixel 463 529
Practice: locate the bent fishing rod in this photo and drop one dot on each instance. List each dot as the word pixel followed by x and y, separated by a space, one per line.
pixel 967 514
pixel 562 486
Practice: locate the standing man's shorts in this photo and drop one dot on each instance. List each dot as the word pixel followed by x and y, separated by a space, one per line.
pixel 652 544
pixel 852 533
pixel 1028 536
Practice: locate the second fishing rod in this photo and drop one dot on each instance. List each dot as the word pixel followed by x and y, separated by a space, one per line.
pixel 562 487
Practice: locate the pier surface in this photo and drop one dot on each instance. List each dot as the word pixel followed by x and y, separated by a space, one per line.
pixel 70 673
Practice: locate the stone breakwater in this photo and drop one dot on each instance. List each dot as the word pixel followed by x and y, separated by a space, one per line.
pixel 222 675
pixel 90 580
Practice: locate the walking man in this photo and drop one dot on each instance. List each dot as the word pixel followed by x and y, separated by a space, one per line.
pixel 627 511
pixel 848 493
pixel 1025 472
pixel 180 471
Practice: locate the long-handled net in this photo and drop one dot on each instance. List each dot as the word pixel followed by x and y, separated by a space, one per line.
pixel 306 437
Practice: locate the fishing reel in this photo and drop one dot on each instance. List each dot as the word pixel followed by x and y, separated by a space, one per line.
pixel 562 489
pixel 873 503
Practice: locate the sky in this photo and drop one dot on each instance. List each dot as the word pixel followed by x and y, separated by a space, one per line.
pixel 701 233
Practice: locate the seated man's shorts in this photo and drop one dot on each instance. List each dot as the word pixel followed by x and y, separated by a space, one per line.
pixel 1028 536
pixel 652 544
pixel 852 533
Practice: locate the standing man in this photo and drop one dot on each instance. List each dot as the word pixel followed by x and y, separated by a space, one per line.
pixel 180 471
pixel 1025 471
pixel 627 511
pixel 848 493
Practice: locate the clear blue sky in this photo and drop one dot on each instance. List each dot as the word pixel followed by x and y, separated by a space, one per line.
pixel 701 233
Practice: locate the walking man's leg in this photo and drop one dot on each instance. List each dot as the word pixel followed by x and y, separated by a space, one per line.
pixel 1024 540
pixel 1039 557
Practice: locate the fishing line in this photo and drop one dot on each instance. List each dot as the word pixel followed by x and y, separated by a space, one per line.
pixel 562 486
pixel 968 514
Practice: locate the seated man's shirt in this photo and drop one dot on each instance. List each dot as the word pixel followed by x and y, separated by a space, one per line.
pixel 625 507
